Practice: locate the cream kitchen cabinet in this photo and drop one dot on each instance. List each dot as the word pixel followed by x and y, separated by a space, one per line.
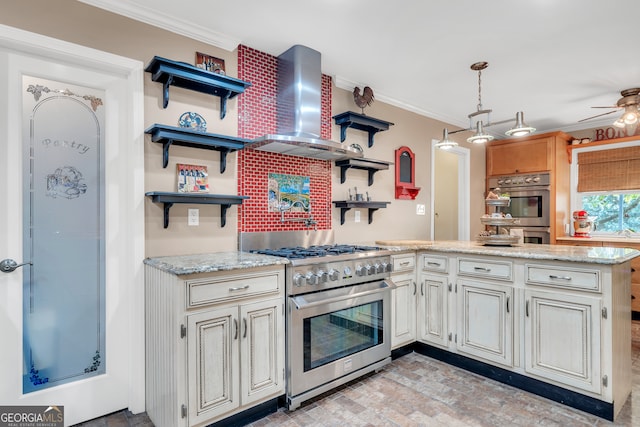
pixel 562 339
pixel 215 343
pixel 403 300
pixel 232 358
pixel 485 320
pixel 433 300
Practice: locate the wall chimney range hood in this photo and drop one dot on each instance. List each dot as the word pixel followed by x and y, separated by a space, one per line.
pixel 299 110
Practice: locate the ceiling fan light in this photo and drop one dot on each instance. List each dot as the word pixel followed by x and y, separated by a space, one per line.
pixel 631 128
pixel 479 137
pixel 520 128
pixel 630 115
pixel 445 143
pixel 619 123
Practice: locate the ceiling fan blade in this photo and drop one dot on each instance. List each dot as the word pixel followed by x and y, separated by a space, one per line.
pixel 599 115
pixel 608 106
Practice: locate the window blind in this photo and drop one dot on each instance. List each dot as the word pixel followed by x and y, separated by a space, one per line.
pixel 609 170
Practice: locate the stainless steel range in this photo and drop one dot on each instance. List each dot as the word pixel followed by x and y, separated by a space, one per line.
pixel 338 319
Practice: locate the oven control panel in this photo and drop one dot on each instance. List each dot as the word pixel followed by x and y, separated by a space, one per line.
pixel 505 182
pixel 326 275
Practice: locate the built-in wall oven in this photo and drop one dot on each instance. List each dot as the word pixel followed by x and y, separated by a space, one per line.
pixel 530 203
pixel 338 318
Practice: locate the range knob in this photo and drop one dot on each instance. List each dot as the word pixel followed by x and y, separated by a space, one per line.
pixel 536 179
pixel 507 181
pixel 312 279
pixel 322 276
pixel 363 270
pixel 500 181
pixel 387 267
pixel 298 279
pixel 528 179
pixel 334 274
pixel 378 268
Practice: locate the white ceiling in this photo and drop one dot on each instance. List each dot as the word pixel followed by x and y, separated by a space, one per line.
pixel 552 59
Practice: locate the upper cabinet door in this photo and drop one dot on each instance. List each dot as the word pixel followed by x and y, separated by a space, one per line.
pixel 520 156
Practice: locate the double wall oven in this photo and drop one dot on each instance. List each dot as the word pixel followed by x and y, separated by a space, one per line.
pixel 338 317
pixel 530 197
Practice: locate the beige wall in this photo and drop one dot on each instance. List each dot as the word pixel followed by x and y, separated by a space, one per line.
pixel 85 25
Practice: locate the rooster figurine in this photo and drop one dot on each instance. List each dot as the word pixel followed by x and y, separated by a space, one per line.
pixel 363 100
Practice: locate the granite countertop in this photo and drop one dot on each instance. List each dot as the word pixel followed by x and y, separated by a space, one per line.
pixel 217 261
pixel 593 255
pixel 605 239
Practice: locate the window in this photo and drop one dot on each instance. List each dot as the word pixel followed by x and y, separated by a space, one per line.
pixel 614 211
pixel 607 183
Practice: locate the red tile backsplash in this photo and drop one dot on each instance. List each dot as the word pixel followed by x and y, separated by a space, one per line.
pixel 257 117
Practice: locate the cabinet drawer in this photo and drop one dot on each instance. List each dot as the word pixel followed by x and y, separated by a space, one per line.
pixel 207 291
pixel 485 268
pixel 438 264
pixel 572 278
pixel 404 262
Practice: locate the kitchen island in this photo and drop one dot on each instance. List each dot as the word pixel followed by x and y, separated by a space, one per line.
pixel 553 320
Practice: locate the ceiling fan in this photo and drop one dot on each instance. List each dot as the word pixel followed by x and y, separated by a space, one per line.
pixel 629 120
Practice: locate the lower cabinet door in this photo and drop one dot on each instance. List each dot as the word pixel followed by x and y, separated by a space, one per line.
pixel 403 310
pixel 262 350
pixel 213 363
pixel 433 309
pixel 562 339
pixel 485 321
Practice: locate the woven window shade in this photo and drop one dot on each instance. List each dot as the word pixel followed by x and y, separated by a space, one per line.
pixel 609 170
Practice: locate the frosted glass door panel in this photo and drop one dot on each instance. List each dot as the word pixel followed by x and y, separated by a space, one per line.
pixel 64 309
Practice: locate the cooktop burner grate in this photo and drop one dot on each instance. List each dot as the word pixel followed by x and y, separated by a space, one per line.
pixel 299 252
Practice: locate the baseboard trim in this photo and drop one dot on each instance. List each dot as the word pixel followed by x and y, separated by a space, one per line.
pixel 557 394
pixel 250 415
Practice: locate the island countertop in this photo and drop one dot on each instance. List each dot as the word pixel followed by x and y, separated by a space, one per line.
pixel 593 255
pixel 216 261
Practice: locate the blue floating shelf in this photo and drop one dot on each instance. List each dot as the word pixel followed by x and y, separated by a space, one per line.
pixel 169 198
pixel 171 135
pixel 187 76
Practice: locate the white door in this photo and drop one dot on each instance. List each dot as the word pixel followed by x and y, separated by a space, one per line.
pixel 71 320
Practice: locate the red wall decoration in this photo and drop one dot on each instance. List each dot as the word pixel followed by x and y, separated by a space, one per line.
pixel 257 117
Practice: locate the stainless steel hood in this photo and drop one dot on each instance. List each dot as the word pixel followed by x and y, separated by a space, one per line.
pixel 299 110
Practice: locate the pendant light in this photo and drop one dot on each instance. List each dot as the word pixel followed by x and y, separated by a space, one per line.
pixel 445 143
pixel 481 114
pixel 520 128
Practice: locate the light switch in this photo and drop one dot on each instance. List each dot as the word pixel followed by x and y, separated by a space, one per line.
pixel 194 217
pixel 421 210
pixel 357 216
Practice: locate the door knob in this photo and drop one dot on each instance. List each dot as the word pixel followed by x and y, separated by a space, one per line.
pixel 9 265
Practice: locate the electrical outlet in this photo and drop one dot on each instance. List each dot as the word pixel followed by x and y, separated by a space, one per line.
pixel 357 216
pixel 421 210
pixel 194 217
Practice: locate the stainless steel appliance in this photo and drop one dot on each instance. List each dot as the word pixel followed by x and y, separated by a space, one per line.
pixel 530 197
pixel 338 318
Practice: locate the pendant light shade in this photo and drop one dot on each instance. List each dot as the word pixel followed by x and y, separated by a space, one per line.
pixel 520 128
pixel 445 143
pixel 480 137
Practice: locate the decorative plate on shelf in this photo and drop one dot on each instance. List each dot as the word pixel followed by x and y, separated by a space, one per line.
pixel 193 121
pixel 357 147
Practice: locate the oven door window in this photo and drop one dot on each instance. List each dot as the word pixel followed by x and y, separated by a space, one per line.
pixel 334 335
pixel 525 207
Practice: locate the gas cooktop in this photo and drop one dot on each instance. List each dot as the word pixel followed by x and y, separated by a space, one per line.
pixel 298 252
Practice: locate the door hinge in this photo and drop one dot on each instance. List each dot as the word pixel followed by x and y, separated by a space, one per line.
pixel 183 331
pixel 183 411
pixel 604 312
pixel 450 287
pixel 605 381
pixel 450 336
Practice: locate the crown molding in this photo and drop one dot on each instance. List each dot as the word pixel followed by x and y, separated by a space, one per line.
pixel 348 85
pixel 166 22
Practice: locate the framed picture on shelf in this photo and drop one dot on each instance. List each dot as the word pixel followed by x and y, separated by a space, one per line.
pixel 192 178
pixel 210 63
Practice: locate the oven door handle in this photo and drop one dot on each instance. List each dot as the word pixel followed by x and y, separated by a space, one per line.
pixel 383 286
